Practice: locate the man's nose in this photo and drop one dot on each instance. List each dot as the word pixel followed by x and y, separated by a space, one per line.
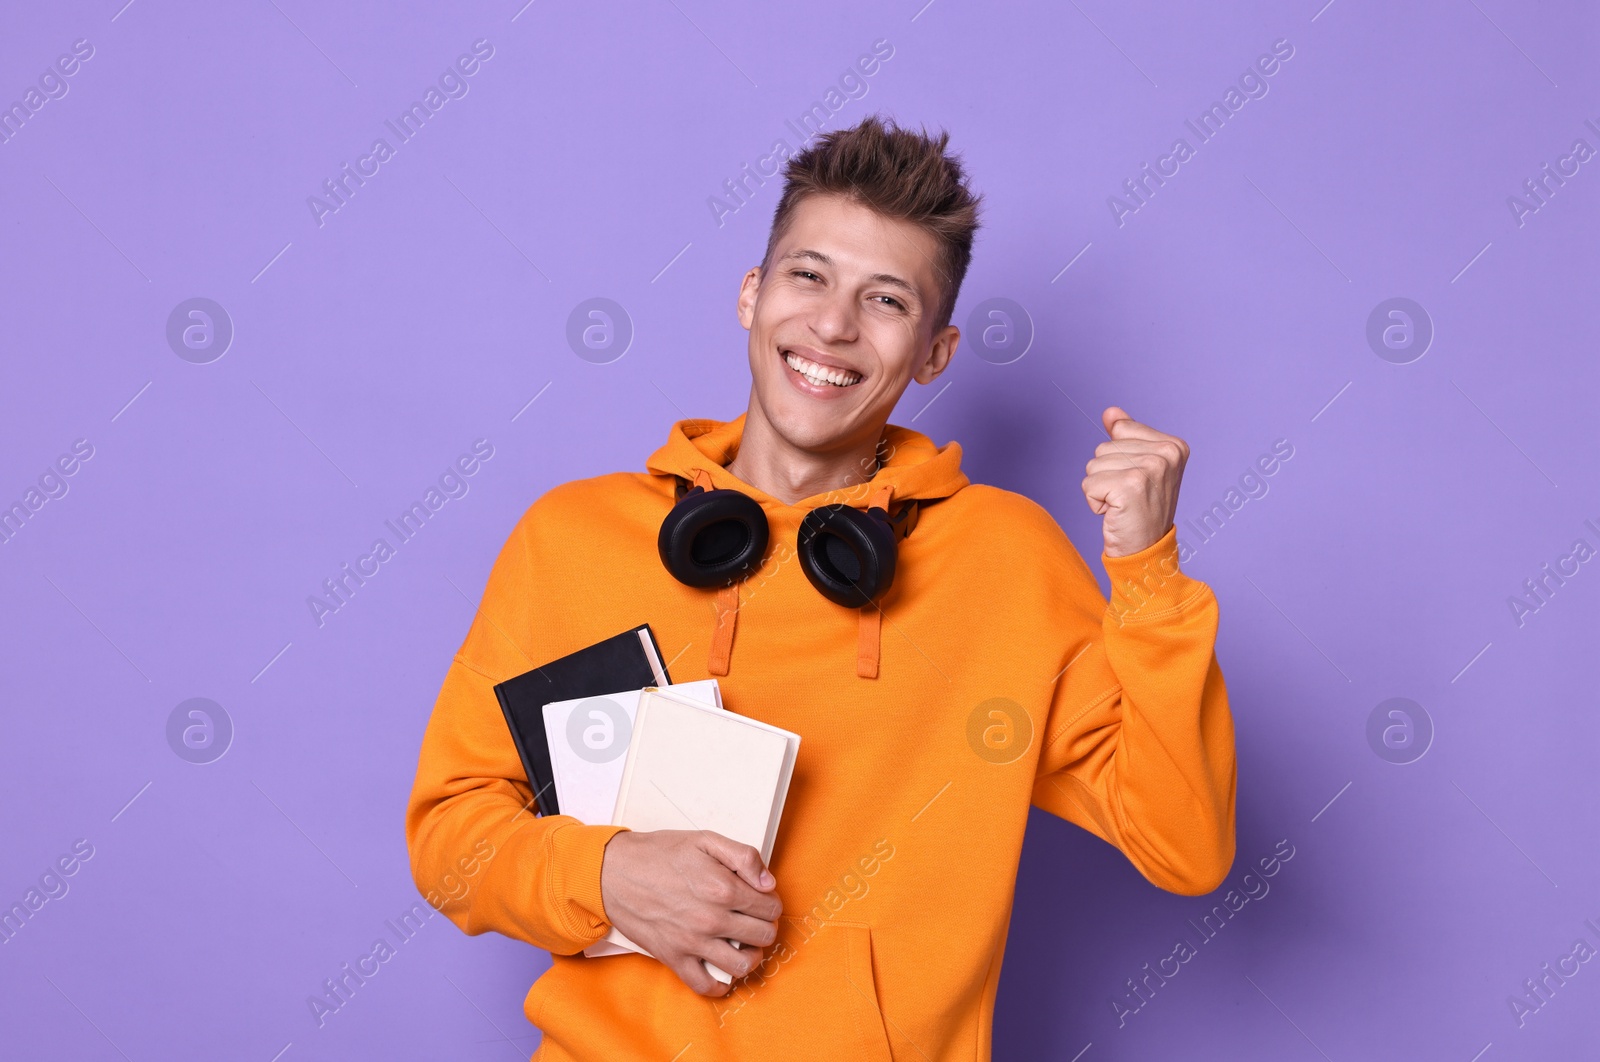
pixel 838 317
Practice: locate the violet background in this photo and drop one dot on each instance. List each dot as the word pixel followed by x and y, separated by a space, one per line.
pixel 371 351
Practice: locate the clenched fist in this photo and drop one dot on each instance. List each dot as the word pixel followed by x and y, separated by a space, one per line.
pixel 1133 482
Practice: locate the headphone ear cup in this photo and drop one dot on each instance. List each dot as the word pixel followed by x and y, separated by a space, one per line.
pixel 848 555
pixel 713 538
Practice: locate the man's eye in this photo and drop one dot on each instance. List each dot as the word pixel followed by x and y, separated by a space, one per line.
pixel 891 300
pixel 806 273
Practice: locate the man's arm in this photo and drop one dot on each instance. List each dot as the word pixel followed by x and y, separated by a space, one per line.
pixel 1138 745
pixel 1139 739
pixel 478 853
pixel 481 856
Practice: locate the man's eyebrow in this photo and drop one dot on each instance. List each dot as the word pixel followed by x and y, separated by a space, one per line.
pixel 880 278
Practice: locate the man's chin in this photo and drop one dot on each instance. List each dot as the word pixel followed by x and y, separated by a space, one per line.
pixel 813 426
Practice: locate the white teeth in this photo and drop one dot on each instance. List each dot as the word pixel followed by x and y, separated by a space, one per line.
pixel 818 375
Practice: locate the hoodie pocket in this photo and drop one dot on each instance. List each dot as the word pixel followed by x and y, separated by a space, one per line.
pixel 813 996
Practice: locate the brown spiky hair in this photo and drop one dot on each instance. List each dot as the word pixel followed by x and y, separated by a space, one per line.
pixel 897 173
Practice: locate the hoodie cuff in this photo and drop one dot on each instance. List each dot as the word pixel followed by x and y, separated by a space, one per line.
pixel 1148 584
pixel 577 852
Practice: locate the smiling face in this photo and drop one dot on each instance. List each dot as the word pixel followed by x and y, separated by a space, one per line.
pixel 840 324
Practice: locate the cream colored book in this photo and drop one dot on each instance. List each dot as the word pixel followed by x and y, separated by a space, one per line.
pixel 691 767
pixel 588 738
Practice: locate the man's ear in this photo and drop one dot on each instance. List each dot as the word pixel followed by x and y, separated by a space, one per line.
pixel 943 349
pixel 749 288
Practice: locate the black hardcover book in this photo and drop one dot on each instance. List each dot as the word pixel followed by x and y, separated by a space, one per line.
pixel 630 660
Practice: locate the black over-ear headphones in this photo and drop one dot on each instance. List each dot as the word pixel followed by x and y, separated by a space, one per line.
pixel 715 537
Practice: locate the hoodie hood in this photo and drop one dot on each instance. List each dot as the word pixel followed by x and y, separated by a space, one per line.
pixel 913 470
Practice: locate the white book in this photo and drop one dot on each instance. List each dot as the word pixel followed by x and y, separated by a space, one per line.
pixel 692 767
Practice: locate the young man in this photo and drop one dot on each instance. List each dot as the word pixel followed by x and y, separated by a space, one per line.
pixel 986 674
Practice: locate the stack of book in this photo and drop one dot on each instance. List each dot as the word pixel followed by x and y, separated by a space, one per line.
pixel 606 737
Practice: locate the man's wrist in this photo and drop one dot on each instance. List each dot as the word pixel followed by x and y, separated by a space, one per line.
pixel 605 854
pixel 1149 582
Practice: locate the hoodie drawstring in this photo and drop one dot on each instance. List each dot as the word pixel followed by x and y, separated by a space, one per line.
pixel 869 617
pixel 725 606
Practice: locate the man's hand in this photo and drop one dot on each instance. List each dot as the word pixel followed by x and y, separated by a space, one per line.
pixel 1133 482
pixel 683 894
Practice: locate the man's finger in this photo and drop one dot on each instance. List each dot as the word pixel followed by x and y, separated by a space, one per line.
pixel 757 932
pixel 762 905
pixel 1097 494
pixel 730 894
pixel 1130 447
pixel 1120 426
pixel 1150 464
pixel 729 959
pixel 739 858
pixel 692 973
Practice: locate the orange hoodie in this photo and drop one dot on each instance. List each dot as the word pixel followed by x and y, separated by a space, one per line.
pixel 999 677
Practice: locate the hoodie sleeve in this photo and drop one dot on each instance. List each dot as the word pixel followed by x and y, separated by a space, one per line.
pixel 478 853
pixel 1138 741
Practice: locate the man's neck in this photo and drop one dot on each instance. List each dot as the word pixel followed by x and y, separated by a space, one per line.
pixel 769 463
